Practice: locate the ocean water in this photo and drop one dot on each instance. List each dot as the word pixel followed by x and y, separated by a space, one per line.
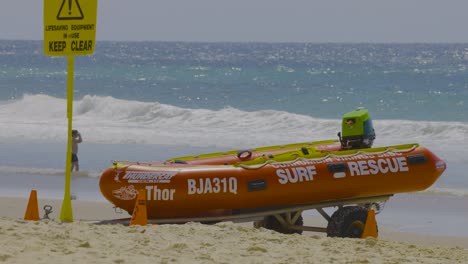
pixel 422 82
pixel 220 96
pixel 155 100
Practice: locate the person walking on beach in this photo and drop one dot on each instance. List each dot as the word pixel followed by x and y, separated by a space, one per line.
pixel 76 139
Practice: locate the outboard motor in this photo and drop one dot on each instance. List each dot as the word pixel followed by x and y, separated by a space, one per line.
pixel 356 130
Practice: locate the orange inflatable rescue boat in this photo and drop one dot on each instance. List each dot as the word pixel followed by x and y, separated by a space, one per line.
pixel 272 186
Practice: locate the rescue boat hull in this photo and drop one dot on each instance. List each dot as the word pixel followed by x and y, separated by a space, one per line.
pixel 287 180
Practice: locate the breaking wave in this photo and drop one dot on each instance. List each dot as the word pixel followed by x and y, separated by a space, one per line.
pixel 116 121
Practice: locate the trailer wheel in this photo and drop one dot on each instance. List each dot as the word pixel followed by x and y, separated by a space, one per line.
pixel 347 222
pixel 270 222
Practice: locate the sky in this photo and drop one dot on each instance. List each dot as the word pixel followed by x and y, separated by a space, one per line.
pixel 375 21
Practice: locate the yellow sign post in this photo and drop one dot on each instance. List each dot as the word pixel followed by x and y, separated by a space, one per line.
pixel 69 30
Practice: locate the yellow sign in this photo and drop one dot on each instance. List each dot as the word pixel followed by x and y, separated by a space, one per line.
pixel 69 27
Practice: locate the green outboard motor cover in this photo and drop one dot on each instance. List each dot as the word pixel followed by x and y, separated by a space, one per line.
pixel 357 130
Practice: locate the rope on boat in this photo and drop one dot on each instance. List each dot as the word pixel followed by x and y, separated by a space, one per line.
pixel 330 155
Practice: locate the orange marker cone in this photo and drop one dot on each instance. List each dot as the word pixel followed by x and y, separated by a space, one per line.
pixel 32 211
pixel 370 230
pixel 139 216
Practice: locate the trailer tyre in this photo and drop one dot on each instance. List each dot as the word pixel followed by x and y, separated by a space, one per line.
pixel 270 222
pixel 347 222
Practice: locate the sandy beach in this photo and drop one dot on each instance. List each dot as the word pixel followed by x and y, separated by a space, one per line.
pixel 84 241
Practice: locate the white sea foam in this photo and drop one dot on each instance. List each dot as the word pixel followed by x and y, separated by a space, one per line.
pixel 13 170
pixel 460 192
pixel 30 170
pixel 111 120
pixel 42 118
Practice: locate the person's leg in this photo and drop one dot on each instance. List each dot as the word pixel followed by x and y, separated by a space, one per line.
pixel 74 162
